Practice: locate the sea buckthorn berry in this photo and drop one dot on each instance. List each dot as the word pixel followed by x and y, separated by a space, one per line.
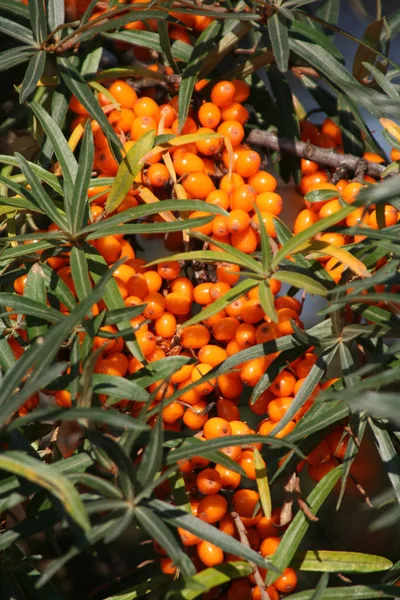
pixel 223 93
pixel 243 198
pixel 173 412
pixel 235 112
pixel 287 302
pixel 201 294
pixel 309 180
pixel 246 241
pixel 267 219
pixel 263 182
pixel 337 443
pixel 155 305
pixel 246 461
pixel 218 198
pixel 182 285
pixel 351 191
pixel 211 354
pixel 198 185
pixel 204 387
pixel 330 208
pixel 269 202
pixel 227 409
pixel 123 93
pixel 287 582
pixel 169 270
pixel 242 90
pixel 146 341
pixel 220 226
pixel 233 130
pixel 137 286
pixel 225 329
pixel 245 335
pixel 234 309
pixel 158 175
pixel 178 304
pixel 209 481
pixel 285 316
pixel 167 566
pixel 230 385
pixel 260 406
pixel 269 545
pixel 219 289
pixel 238 220
pixel 227 524
pixel 188 538
pixel 278 407
pixel 247 163
pixel 187 162
pixel 167 114
pixel 63 398
pixel 266 332
pixel 308 167
pixel 165 325
pixel 195 416
pixel 318 472
pixel 252 311
pixel 267 426
pixel 209 115
pixel 194 336
pixel 283 384
pixel 305 219
pixel 240 588
pixel 19 284
pixel 122 119
pixel 212 508
pixel 244 503
pixel 335 269
pixel 146 106
pixel 252 371
pixel 230 481
pixel 216 427
pixel 229 184
pixel 188 127
pixel 390 217
pixel 109 247
pixel 272 592
pixel 142 125
pixel 209 145
pixel 210 554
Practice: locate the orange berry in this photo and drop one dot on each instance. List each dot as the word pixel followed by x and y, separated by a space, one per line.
pixel 209 481
pixel 233 130
pixel 204 387
pixel 230 385
pixel 188 127
pixel 283 384
pixel 260 406
pixel 198 185
pixel 158 175
pixel 155 305
pixel 351 191
pixel 195 336
pixel 167 566
pixel 209 115
pixel 267 426
pixel 269 545
pixel 242 90
pixel 172 412
pixel 169 269
pixel 335 269
pixel 309 180
pixel 223 93
pixel 240 588
pixel 194 417
pixel 209 554
pixel 235 112
pixel 266 332
pixel 238 220
pixel 390 217
pixel 165 325
pixel 63 398
pixel 243 198
pixel 109 247
pixel 247 163
pixel 230 481
pixel 305 219
pixel 269 202
pixel 211 354
pixel 229 184
pixel 146 107
pixel 212 508
pixel 244 502
pixel 287 582
pixel 142 125
pixel 188 538
pixel 246 461
pixel 208 146
pixel 187 162
pixel 123 93
pixel 246 241
pixel 278 407
pixel 225 329
pixel 216 427
pixel 252 311
pixel 227 409
pixel 268 223
pixel 178 304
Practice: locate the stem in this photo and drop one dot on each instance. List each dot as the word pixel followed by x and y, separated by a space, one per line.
pixel 323 156
pixel 243 538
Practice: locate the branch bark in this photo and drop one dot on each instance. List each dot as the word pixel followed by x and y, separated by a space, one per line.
pixel 323 156
pixel 243 538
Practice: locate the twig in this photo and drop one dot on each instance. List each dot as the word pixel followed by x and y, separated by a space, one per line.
pixel 323 156
pixel 243 538
pixel 361 490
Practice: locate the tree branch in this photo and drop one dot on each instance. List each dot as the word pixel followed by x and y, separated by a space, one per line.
pixel 243 538
pixel 323 156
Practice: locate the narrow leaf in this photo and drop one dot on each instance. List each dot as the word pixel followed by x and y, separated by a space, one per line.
pixel 262 483
pixel 340 562
pixel 33 73
pixel 79 205
pixel 278 33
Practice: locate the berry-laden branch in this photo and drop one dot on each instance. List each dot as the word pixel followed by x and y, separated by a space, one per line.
pixel 323 156
pixel 241 529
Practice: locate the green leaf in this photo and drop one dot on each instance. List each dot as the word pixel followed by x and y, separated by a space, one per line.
pixel 142 589
pixel 278 33
pixel 38 19
pixel 151 460
pixel 41 355
pixel 43 475
pixel 262 483
pixel 30 306
pixel 128 169
pixel 321 587
pixel 39 193
pixel 202 47
pixel 58 112
pixel 307 29
pixel 329 11
pixel 82 91
pixel 15 7
pixel 166 43
pixel 358 425
pixel 7 358
pixel 14 56
pixel 162 534
pixel 266 253
pixel 340 562
pixel 238 290
pixel 55 13
pixel 372 37
pixel 35 289
pixel 148 39
pixel 63 152
pixel 80 272
pixel 180 518
pixel 356 592
pixel 79 212
pixel 56 286
pixel 298 527
pixel 267 300
pixel 201 255
pixel 33 73
pixel 302 282
pixel 388 454
pixel 17 31
pixel 119 387
pixel 210 578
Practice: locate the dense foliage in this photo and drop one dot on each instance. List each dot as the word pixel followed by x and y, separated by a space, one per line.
pixel 183 399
